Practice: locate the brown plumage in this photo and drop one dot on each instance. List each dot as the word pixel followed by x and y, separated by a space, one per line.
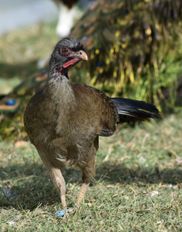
pixel 65 120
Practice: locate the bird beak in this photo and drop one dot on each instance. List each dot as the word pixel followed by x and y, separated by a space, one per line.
pixel 75 58
pixel 82 55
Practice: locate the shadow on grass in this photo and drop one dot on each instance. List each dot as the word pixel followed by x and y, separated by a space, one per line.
pixel 32 186
pixel 29 186
pixel 21 70
pixel 118 173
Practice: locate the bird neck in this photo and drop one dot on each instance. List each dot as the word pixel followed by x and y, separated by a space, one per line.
pixel 63 98
pixel 60 89
pixel 57 70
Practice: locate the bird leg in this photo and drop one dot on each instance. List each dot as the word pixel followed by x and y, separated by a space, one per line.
pixel 83 190
pixel 59 182
pixel 88 174
pixel 56 176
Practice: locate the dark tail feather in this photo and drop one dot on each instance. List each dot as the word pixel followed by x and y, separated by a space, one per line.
pixel 133 110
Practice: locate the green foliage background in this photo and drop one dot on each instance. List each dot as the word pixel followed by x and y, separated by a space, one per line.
pixel 135 48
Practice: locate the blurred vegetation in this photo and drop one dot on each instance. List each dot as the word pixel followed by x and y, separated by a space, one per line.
pixel 135 48
pixel 20 52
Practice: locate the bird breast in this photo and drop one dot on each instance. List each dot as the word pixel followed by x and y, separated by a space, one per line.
pixel 63 97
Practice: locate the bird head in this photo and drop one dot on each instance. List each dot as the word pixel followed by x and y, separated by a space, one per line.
pixel 66 54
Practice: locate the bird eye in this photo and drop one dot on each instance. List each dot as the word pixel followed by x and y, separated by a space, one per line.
pixel 64 51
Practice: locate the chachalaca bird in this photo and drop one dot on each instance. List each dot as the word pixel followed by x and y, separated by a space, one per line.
pixel 64 120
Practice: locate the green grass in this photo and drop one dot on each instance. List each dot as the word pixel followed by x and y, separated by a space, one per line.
pixel 139 170
pixel 137 186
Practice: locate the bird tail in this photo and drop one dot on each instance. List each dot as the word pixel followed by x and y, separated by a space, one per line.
pixel 133 110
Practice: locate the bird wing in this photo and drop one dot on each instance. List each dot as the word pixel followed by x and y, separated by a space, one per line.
pixel 97 109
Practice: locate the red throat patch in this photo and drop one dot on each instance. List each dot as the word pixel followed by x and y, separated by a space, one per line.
pixel 71 62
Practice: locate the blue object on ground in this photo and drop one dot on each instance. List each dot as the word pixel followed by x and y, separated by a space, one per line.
pixel 10 102
pixel 60 213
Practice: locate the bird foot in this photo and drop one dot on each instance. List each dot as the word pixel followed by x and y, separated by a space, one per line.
pixel 65 212
pixel 71 210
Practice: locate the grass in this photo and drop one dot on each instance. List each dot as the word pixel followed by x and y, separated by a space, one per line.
pixel 137 186
pixel 139 170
